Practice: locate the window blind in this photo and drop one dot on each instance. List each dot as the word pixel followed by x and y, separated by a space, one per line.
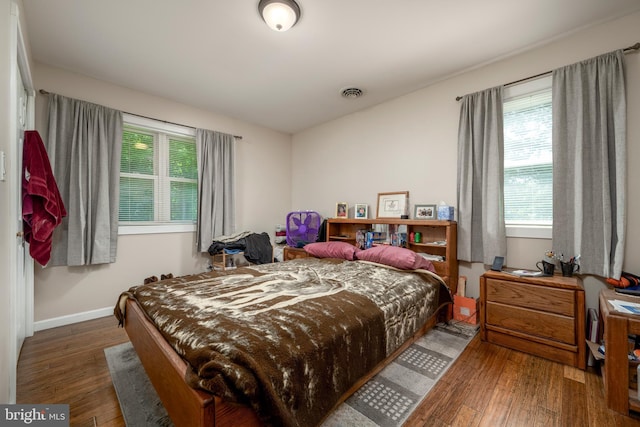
pixel 528 168
pixel 138 176
pixel 158 177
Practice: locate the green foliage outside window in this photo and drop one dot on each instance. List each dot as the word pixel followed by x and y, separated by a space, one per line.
pixel 137 153
pixel 184 201
pixel 175 198
pixel 136 199
pixel 182 159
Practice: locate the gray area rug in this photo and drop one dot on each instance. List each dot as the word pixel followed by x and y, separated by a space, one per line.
pixel 139 402
pixel 386 400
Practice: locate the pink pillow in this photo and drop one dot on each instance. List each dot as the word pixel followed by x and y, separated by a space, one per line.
pixel 342 250
pixel 394 256
pixel 423 264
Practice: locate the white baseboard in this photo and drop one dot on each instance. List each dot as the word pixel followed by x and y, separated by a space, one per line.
pixel 73 318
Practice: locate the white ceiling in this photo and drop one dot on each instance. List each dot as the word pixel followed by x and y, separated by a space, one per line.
pixel 220 56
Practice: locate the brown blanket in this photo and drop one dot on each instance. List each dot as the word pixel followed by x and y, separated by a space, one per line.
pixel 289 338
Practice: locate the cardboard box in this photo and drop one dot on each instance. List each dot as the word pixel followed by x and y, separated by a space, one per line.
pixel 465 309
pixel 445 212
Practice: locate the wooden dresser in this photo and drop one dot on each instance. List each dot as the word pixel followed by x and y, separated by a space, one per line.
pixel 544 316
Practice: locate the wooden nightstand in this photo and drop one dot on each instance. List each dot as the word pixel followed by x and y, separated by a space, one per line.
pixel 544 316
pixel 290 253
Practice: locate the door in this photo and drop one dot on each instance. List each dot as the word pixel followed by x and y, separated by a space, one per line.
pixel 22 113
pixel 20 292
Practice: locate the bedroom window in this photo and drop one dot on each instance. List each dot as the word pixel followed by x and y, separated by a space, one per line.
pixel 158 177
pixel 528 167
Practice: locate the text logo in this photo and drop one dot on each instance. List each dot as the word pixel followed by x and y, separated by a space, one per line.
pixel 34 415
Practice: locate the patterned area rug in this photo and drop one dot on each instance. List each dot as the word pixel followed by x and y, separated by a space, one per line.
pixel 390 397
pixel 386 400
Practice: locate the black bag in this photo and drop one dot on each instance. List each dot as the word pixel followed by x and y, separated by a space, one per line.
pixel 322 232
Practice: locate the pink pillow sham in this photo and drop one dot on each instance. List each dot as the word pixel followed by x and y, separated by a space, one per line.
pixel 342 250
pixel 394 256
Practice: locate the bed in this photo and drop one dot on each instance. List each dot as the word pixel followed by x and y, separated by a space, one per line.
pixel 275 344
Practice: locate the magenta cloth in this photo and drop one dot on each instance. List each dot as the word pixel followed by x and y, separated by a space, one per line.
pixel 42 206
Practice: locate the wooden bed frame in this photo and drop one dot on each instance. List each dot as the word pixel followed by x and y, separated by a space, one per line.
pixel 190 407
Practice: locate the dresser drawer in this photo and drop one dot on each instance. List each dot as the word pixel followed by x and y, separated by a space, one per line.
pixel 532 322
pixel 547 299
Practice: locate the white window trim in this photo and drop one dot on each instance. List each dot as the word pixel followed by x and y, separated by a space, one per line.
pixel 157 125
pixel 525 88
pixel 163 127
pixel 124 230
pixel 529 231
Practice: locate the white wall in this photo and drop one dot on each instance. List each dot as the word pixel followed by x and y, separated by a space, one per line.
pixel 410 143
pixel 263 188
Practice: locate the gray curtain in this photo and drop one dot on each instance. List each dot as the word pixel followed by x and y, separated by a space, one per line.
pixel 84 144
pixel 216 188
pixel 589 150
pixel 481 228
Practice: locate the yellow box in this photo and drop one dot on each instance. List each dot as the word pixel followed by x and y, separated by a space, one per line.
pixel 465 309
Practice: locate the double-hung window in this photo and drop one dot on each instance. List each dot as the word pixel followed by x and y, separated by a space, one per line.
pixel 528 159
pixel 158 177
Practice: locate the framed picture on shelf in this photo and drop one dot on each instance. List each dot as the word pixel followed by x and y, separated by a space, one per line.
pixel 341 210
pixel 392 205
pixel 424 212
pixel 362 211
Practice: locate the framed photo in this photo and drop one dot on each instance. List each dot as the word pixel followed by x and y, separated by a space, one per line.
pixel 392 205
pixel 424 212
pixel 342 209
pixel 362 211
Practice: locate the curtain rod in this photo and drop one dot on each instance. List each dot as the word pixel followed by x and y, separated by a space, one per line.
pixel 635 47
pixel 44 92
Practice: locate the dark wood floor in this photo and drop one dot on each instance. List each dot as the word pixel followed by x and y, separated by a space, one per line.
pixel 487 386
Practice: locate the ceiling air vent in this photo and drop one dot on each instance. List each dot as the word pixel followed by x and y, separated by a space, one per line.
pixel 351 93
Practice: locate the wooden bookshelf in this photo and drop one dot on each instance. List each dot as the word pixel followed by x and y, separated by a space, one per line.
pixel 432 231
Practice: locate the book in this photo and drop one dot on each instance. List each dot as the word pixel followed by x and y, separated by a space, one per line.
pixel 625 306
pixel 631 290
pixel 633 309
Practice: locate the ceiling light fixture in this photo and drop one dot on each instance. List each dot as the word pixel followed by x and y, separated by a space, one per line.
pixel 280 15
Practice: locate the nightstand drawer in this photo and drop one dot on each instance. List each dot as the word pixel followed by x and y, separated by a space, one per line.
pixel 532 322
pixel 551 300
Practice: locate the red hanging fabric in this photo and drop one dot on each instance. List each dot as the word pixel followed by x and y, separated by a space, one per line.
pixel 42 206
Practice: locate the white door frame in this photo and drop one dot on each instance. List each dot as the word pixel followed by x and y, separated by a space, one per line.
pixel 30 123
pixel 21 275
